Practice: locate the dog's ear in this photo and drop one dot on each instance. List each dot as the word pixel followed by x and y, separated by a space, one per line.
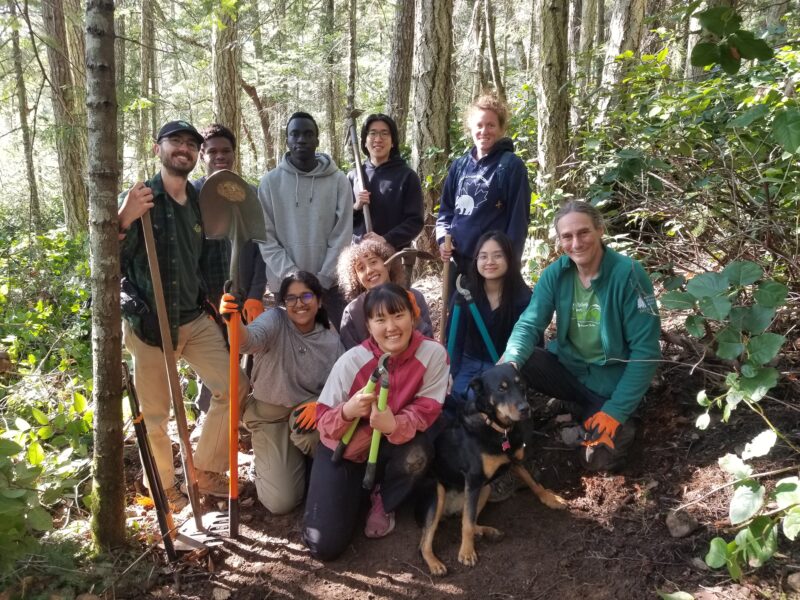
pixel 476 385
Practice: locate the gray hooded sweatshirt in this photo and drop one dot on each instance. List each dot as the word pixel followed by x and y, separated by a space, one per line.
pixel 309 219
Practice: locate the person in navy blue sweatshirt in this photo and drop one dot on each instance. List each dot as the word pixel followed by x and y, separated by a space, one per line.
pixel 501 296
pixel 486 189
pixel 394 192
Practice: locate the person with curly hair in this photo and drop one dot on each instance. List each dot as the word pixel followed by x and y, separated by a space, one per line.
pixel 362 267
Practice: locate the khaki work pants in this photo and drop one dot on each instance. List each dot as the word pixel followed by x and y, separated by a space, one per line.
pixel 200 343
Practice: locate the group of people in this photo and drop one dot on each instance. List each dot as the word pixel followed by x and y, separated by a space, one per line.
pixel 345 321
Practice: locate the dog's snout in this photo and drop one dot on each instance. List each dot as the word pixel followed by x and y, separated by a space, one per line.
pixel 525 411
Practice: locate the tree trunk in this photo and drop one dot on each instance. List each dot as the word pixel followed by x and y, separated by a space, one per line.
pixel 574 33
pixel 108 515
pixel 400 66
pixel 433 43
pixel 27 144
pixel 225 61
pixel 262 110
pixel 553 100
pixel 70 138
pixel 329 34
pixel 599 42
pixel 351 55
pixel 533 35
pixel 73 20
pixel 144 138
pixel 120 61
pixel 584 72
pixel 478 44
pixel 497 78
pixel 625 34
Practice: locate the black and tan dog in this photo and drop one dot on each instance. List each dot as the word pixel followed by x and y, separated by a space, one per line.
pixel 469 454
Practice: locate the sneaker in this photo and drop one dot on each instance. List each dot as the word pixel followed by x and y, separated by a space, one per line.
pixel 176 500
pixel 503 487
pixel 212 484
pixel 379 523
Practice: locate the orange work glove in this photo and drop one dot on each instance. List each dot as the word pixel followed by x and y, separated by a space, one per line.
pixel 305 417
pixel 252 308
pixel 600 429
pixel 229 304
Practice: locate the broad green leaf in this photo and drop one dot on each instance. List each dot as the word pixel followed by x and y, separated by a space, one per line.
pixel 734 570
pixel 13 493
pixel 79 402
pixel 676 300
pixel 21 424
pixel 45 433
pixel 760 446
pixel 754 319
pixel 749 116
pixel 728 58
pixel 719 20
pixel 756 387
pixel 747 500
pixel 715 307
pixel 729 343
pixel 743 272
pixel 749 370
pixel 674 595
pixel 702 399
pixel 673 282
pixel 705 285
pixel 750 47
pixel 771 294
pixel 695 325
pixel 763 348
pixel 791 523
pixel 758 541
pixel 703 421
pixel 787 492
pixel 717 553
pixel 35 453
pixel 39 519
pixel 786 129
pixel 9 447
pixel 735 466
pixel 39 416
pixel 704 54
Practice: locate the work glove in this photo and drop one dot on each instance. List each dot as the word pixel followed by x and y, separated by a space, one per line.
pixel 230 304
pixel 305 417
pixel 600 429
pixel 252 308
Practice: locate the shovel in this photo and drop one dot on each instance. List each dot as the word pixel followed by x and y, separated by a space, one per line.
pixel 230 208
pixel 352 138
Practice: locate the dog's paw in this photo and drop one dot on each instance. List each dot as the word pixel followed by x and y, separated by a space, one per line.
pixel 490 533
pixel 554 501
pixel 436 567
pixel 468 557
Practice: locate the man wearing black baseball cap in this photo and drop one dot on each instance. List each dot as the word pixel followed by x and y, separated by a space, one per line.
pixel 180 245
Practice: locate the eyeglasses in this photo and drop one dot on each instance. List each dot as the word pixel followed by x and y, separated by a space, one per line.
pixel 305 298
pixel 178 142
pixel 374 133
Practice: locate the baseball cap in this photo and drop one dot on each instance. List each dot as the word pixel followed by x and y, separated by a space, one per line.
pixel 177 126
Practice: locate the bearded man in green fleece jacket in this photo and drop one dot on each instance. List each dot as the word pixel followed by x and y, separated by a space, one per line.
pixel 607 346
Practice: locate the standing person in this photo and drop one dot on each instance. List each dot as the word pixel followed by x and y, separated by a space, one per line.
pixel 180 246
pixel 500 295
pixel 217 153
pixel 394 192
pixel 486 189
pixel 607 347
pixel 418 375
pixel 362 267
pixel 295 350
pixel 308 210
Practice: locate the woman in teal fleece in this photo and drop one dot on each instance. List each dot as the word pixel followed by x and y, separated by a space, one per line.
pixel 607 346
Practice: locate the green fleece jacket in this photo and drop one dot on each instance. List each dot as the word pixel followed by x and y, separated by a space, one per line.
pixel 629 329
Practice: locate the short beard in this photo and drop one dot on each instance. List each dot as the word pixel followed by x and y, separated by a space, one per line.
pixel 176 171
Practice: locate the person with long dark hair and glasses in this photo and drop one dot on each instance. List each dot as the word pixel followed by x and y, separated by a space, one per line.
pixel 294 348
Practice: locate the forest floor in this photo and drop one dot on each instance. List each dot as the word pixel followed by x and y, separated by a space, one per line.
pixel 611 543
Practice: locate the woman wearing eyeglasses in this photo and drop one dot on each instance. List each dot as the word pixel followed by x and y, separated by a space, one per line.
pixel 294 350
pixel 393 194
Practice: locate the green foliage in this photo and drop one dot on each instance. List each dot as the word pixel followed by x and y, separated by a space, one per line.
pixel 731 43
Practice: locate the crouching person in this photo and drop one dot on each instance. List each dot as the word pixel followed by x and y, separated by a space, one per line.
pixel 417 376
pixel 294 350
pixel 607 347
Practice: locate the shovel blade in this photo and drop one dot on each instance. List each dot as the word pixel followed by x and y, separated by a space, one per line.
pixel 223 195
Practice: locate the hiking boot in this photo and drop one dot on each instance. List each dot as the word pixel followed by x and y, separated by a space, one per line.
pixel 503 487
pixel 176 500
pixel 379 522
pixel 212 484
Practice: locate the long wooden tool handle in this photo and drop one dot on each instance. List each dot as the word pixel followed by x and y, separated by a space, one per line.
pixel 448 244
pixel 172 371
pixel 233 432
pixel 359 173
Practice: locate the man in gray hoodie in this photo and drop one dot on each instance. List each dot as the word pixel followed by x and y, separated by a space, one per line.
pixel 308 209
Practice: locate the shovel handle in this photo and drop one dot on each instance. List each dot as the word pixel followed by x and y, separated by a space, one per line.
pixel 448 244
pixel 233 431
pixel 348 435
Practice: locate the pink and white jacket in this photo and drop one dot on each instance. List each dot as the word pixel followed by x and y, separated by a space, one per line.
pixel 417 386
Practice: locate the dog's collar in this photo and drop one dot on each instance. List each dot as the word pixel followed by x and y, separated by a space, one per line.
pixel 505 445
